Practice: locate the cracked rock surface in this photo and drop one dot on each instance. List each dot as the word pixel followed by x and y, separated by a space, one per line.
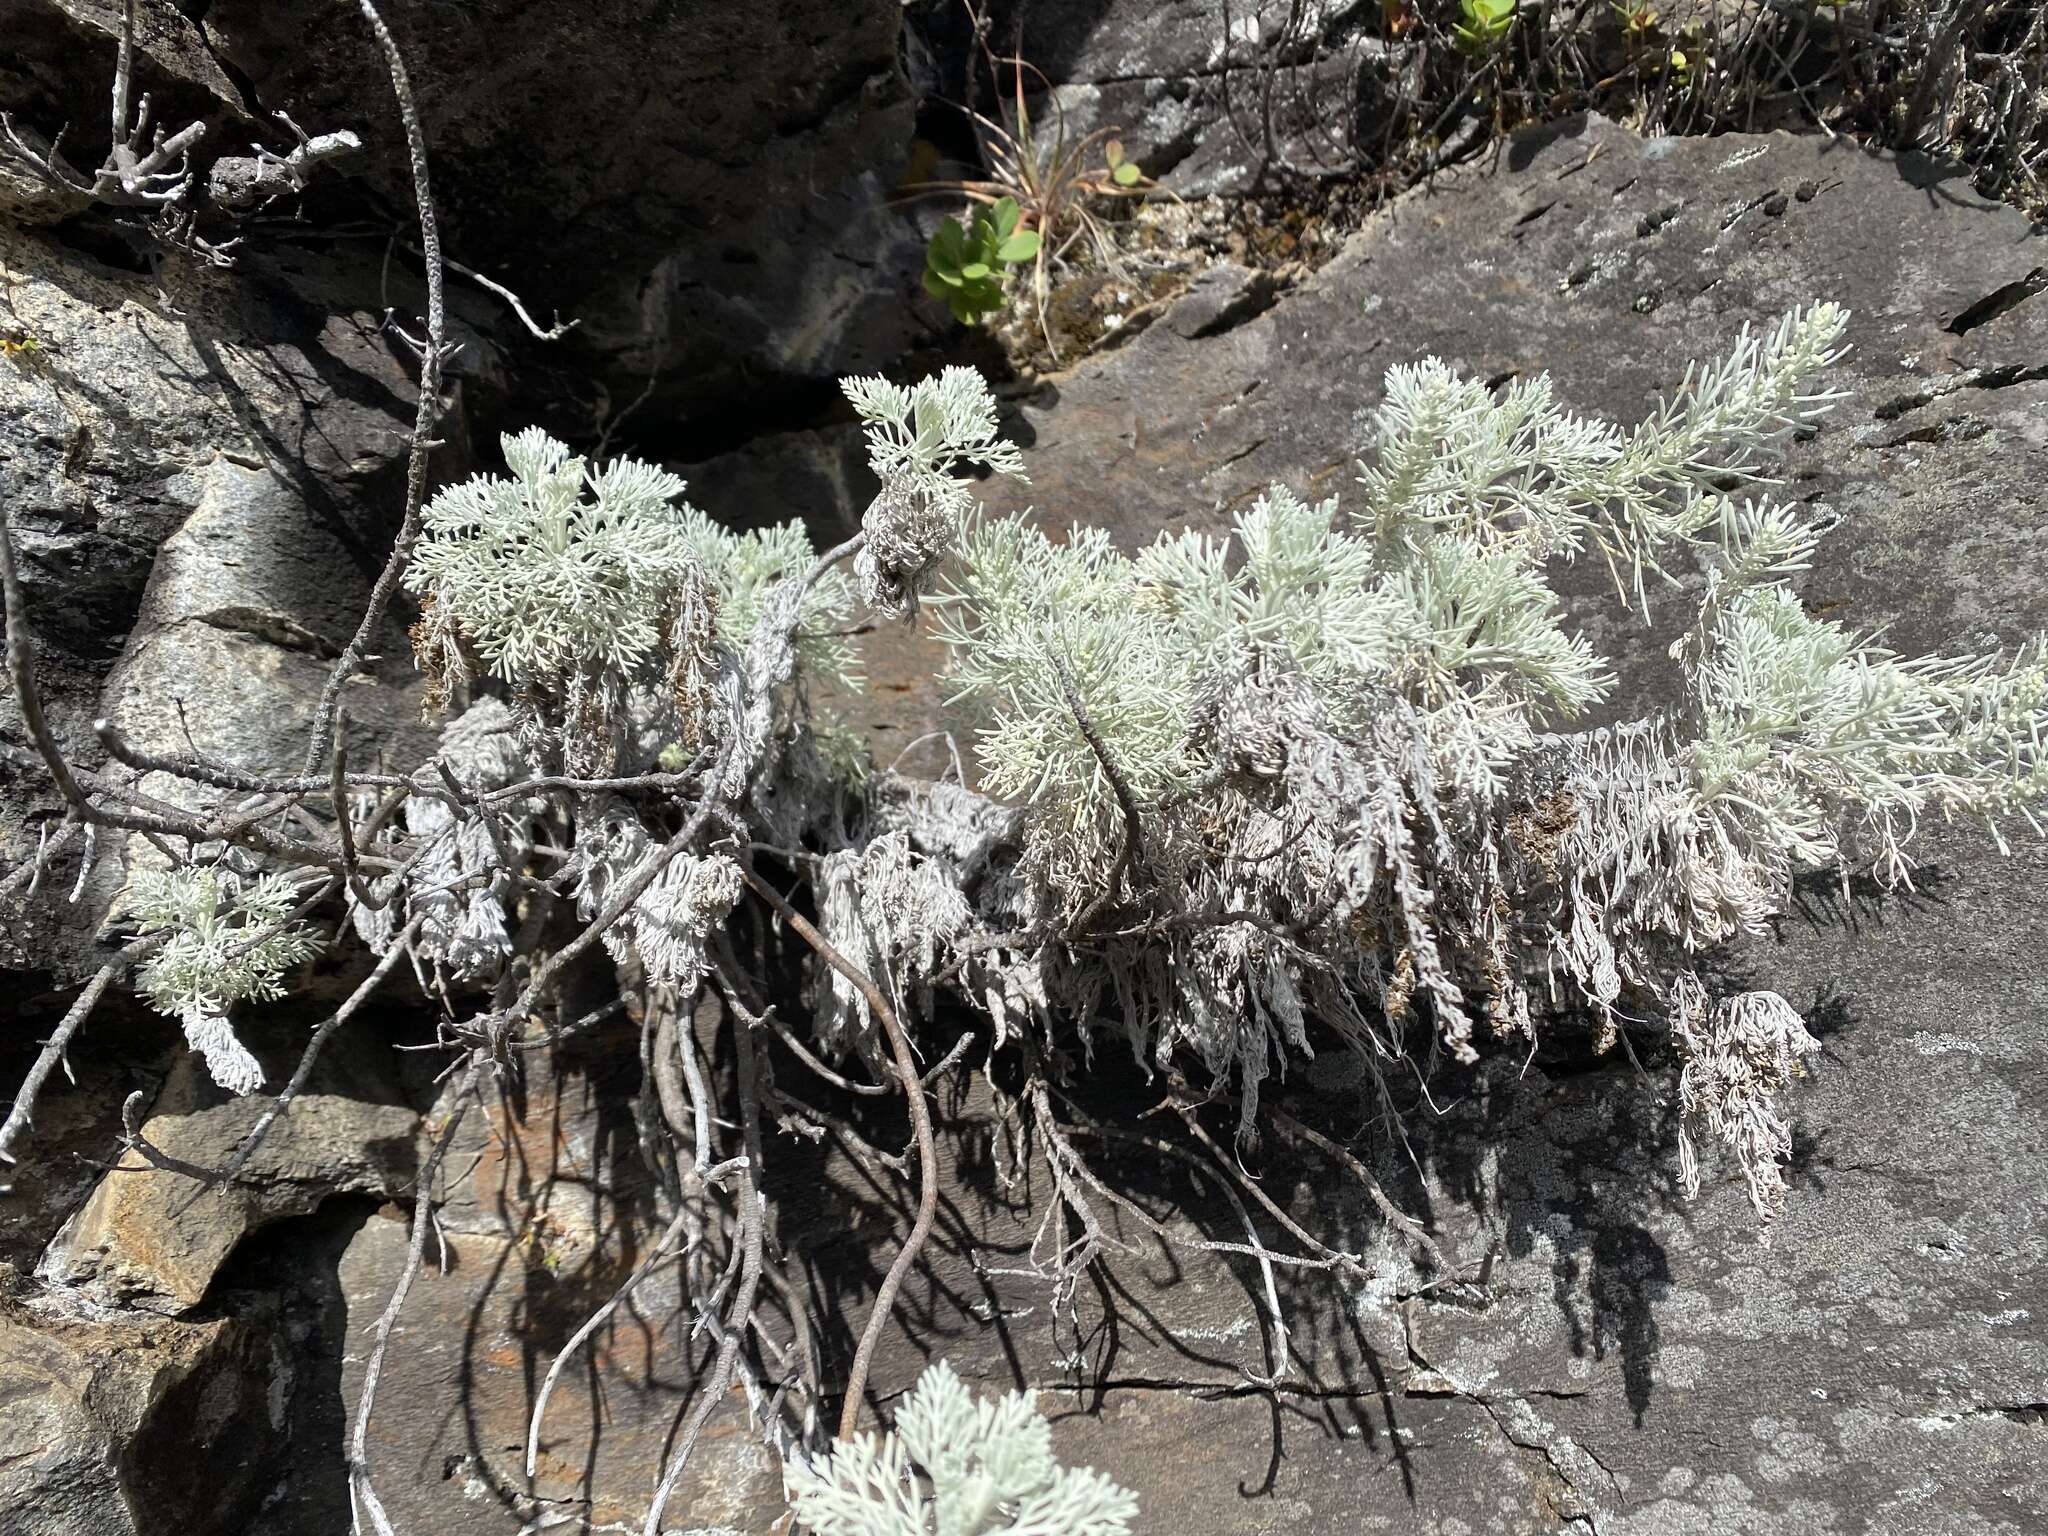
pixel 199 495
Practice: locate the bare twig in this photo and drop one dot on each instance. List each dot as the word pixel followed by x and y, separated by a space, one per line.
pixel 433 353
pixel 133 1140
pixel 554 332
pixel 1395 1216
pixel 701 1181
pixel 29 875
pixel 244 181
pixel 360 1490
pixel 157 175
pixel 921 1125
pixel 750 1242
pixel 21 1117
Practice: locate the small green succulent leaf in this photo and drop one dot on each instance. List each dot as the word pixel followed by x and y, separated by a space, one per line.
pixel 1005 215
pixel 1021 246
pixel 975 271
pixel 1126 173
pixel 949 245
pixel 1486 25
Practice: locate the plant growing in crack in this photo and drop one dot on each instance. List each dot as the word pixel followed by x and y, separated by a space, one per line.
pixel 1324 784
pixel 1040 196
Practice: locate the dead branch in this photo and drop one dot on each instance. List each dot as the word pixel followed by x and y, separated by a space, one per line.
pixel 21 1117
pixel 29 875
pixel 433 353
pixel 701 1180
pixel 1407 1225
pixel 921 1125
pixel 750 1242
pixel 244 181
pixel 360 1489
pixel 132 1140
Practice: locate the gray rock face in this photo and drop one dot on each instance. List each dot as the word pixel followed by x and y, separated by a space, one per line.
pixel 112 1427
pixel 1211 97
pixel 699 184
pixel 200 492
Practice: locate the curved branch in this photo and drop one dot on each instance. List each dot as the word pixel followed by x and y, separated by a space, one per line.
pixel 921 1126
pixel 433 352
pixel 422 1217
pixel 20 1117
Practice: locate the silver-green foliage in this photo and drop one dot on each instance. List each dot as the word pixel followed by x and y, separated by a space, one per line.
pixel 1321 759
pixel 744 567
pixel 231 939
pixel 1432 584
pixel 559 567
pixel 578 585
pixel 920 437
pixel 987 1465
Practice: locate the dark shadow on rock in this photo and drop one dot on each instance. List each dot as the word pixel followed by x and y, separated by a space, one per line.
pixel 292 1268
pixel 1524 147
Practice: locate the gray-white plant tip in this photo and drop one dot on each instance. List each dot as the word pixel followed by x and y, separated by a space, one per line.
pixel 919 437
pixel 229 940
pixel 987 1462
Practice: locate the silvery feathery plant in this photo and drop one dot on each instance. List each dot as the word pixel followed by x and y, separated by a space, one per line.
pixel 579 586
pixel 228 939
pixel 1324 782
pixel 1324 769
pixel 988 1464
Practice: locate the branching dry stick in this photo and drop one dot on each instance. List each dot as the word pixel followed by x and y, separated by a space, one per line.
pixel 132 1140
pixel 130 174
pixel 751 1239
pixel 21 1117
pixel 629 891
pixel 921 1126
pixel 698 1182
pixel 720 1379
pixel 25 878
pixel 1151 1223
pixel 554 332
pixel 422 1217
pixel 1395 1216
pixel 433 353
pixel 1231 1167
pixel 141 813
